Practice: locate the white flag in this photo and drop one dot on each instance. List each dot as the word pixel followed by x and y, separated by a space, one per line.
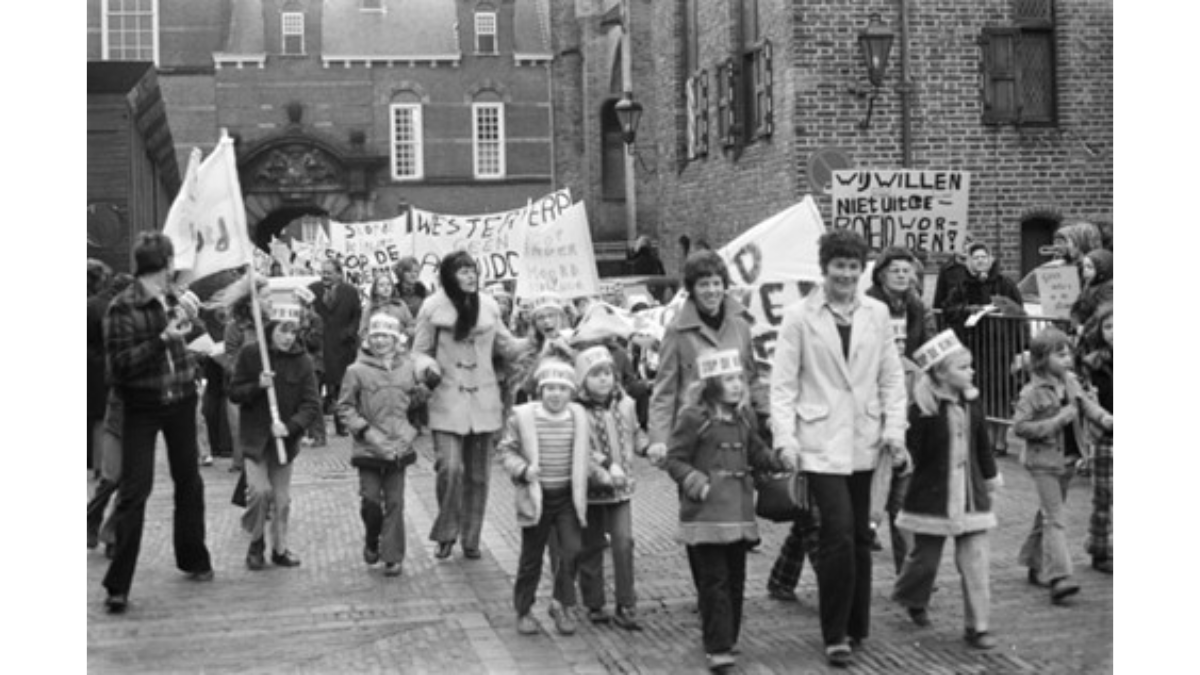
pixel 207 221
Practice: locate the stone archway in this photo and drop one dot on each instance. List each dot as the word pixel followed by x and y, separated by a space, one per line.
pixel 299 172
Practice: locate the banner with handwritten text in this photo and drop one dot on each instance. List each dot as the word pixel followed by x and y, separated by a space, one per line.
pixel 558 258
pixel 919 210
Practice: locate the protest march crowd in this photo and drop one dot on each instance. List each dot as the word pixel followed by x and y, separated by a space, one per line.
pixel 867 414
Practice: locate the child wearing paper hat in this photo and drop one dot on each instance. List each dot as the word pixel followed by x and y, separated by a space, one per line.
pixel 712 450
pixel 953 466
pixel 544 448
pixel 297 405
pixel 378 393
pixel 615 438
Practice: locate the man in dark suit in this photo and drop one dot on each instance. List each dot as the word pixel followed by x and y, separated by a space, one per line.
pixel 340 308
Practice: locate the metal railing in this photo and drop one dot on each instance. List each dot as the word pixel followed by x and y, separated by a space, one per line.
pixel 997 343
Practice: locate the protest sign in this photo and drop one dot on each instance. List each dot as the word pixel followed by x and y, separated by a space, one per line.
pixel 1058 288
pixel 771 266
pixel 558 258
pixel 368 246
pixel 919 210
pixel 495 240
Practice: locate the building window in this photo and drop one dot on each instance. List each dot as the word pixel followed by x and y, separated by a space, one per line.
pixel 612 167
pixel 488 134
pixel 745 83
pixel 485 32
pixel 130 30
pixel 1018 67
pixel 691 38
pixel 293 33
pixel 408 161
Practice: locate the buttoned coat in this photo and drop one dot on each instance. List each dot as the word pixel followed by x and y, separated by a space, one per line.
pixel 341 320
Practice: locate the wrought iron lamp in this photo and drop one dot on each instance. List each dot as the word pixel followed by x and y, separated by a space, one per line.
pixel 875 42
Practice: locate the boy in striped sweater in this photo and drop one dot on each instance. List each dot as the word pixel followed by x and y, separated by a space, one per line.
pixel 545 450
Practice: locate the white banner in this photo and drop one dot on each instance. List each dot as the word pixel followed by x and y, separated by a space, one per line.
pixel 558 258
pixel 919 210
pixel 207 220
pixel 370 245
pixel 495 240
pixel 772 265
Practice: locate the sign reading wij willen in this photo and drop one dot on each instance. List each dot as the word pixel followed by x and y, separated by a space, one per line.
pixel 919 210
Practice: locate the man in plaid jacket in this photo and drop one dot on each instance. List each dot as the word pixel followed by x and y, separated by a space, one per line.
pixel 146 331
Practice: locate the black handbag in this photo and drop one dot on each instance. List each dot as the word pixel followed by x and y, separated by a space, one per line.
pixel 780 497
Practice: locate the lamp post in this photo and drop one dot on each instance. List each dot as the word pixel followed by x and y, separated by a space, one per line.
pixel 875 42
pixel 629 114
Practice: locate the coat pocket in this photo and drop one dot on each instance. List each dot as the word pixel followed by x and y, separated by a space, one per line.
pixel 811 423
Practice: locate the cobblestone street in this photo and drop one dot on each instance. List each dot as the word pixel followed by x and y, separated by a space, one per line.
pixel 333 614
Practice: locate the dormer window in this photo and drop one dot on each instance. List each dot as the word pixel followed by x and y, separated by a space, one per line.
pixel 293 33
pixel 485 32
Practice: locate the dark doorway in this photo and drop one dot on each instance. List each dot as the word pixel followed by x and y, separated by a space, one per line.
pixel 1037 236
pixel 275 222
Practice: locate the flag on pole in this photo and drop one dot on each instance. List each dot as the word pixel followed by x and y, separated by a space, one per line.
pixel 207 220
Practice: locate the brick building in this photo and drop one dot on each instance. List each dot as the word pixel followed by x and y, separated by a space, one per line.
pixel 352 109
pixel 1040 152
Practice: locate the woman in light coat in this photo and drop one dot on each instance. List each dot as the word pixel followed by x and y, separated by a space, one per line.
pixel 837 402
pixel 460 328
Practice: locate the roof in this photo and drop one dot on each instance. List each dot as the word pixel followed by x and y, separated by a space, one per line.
pixel 246 28
pixel 115 77
pixel 405 29
pixel 137 83
pixel 531 27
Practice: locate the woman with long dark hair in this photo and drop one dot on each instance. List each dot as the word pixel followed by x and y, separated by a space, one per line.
pixel 460 328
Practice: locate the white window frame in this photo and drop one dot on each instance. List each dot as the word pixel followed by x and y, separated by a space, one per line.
pixel 482 28
pixel 106 46
pixel 416 142
pixel 292 18
pixel 477 145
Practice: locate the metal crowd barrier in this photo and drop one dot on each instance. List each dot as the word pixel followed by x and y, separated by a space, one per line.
pixel 996 342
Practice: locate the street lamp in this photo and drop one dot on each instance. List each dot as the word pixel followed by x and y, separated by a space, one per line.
pixel 629 114
pixel 875 42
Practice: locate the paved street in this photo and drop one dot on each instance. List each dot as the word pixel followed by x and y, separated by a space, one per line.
pixel 333 614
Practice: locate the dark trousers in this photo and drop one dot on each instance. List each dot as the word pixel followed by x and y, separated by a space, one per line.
pixel 332 393
pixel 843 561
pixel 558 519
pixel 719 572
pixel 177 422
pixel 801 540
pixel 212 406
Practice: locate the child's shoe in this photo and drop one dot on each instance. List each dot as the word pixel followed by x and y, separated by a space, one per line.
pixel 392 569
pixel 721 661
pixel 1103 565
pixel 564 623
pixel 527 625
pixel 980 639
pixel 919 616
pixel 285 559
pixel 626 617
pixel 255 560
pixel 1061 589
pixel 598 615
pixel 370 555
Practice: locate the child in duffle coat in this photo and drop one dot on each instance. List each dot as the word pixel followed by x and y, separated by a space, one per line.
pixel 615 436
pixel 954 475
pixel 1050 415
pixel 544 449
pixel 712 448
pixel 268 480
pixel 1098 368
pixel 376 395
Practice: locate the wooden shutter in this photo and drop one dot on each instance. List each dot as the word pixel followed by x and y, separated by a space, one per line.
pixel 731 118
pixel 763 86
pixel 999 75
pixel 702 119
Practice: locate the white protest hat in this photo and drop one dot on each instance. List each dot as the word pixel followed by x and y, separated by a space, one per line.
pixel 716 364
pixel 590 359
pixel 547 301
pixel 555 371
pixel 942 345
pixel 285 311
pixel 304 295
pixel 638 299
pixel 385 324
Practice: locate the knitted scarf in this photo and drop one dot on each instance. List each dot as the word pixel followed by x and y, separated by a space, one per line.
pixel 599 429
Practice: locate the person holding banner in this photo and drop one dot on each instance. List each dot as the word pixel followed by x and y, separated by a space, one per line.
pixel 837 402
pixel 460 329
pixel 146 331
pixel 709 320
pixel 268 481
pixel 338 305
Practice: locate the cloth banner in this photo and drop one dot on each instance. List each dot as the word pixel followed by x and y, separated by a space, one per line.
pixel 772 265
pixel 368 246
pixel 1058 289
pixel 558 258
pixel 207 221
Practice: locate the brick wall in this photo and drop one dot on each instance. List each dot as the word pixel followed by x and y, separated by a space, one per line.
pixel 1065 170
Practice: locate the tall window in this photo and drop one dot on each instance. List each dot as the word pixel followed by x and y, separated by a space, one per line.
pixel 293 33
pixel 130 30
pixel 612 169
pixel 1018 67
pixel 485 33
pixel 691 38
pixel 488 134
pixel 755 105
pixel 408 161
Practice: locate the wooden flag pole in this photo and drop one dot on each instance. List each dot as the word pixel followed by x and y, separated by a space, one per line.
pixel 280 450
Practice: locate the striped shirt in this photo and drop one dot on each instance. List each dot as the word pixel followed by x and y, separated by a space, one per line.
pixel 556 442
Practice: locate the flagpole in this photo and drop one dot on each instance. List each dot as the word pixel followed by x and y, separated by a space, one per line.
pixel 260 332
